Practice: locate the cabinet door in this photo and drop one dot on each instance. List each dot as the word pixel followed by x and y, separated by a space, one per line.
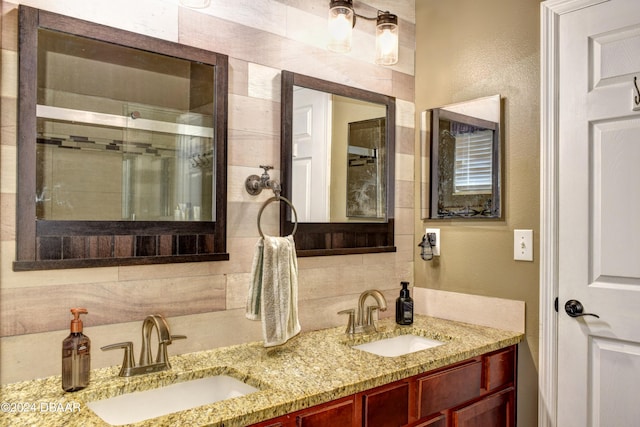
pixel 499 369
pixel 337 413
pixel 449 388
pixel 386 406
pixel 493 411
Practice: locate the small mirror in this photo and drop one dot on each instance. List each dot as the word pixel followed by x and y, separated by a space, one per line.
pixel 337 166
pixel 461 155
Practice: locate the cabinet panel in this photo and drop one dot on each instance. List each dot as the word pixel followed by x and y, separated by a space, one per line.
pixel 439 421
pixel 284 421
pixel 493 411
pixel 340 413
pixel 449 388
pixel 499 369
pixel 387 406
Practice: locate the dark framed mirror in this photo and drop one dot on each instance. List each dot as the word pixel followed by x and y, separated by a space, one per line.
pixel 337 157
pixel 463 145
pixel 121 147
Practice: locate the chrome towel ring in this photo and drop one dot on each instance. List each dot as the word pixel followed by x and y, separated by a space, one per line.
pixel 282 199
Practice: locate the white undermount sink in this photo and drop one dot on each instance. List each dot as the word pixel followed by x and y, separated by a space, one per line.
pixel 398 346
pixel 143 405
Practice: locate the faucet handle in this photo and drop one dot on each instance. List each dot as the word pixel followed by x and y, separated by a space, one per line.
pixel 177 337
pixel 351 324
pixel 127 361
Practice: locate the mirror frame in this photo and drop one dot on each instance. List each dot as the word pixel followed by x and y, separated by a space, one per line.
pixel 338 238
pixel 55 244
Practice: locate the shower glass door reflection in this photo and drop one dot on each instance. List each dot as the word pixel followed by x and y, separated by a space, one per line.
pixel 122 134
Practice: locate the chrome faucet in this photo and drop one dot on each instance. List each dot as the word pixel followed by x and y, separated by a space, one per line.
pixel 363 320
pixel 147 364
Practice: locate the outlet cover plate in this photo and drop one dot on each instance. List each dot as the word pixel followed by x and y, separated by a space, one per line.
pixel 436 248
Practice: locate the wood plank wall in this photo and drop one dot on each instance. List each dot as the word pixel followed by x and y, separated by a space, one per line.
pixel 261 38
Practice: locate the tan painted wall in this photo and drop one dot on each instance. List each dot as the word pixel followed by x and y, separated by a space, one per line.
pixel 467 49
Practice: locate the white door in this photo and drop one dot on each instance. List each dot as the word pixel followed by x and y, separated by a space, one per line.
pixel 311 145
pixel 599 216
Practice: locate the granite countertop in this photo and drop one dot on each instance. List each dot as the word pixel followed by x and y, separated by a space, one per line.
pixel 312 368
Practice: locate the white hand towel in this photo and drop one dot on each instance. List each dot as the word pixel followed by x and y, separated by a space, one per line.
pixel 273 295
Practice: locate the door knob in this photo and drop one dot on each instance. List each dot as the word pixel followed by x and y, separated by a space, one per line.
pixel 574 308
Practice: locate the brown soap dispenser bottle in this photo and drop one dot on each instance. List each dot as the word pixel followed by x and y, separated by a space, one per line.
pixel 76 355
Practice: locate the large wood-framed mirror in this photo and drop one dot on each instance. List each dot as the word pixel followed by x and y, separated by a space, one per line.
pixel 121 147
pixel 337 157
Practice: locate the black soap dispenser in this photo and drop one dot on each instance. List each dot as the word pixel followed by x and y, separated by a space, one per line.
pixel 404 306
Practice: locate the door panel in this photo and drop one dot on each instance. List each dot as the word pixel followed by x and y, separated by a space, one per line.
pixel 310 147
pixel 614 368
pixel 616 152
pixel 598 226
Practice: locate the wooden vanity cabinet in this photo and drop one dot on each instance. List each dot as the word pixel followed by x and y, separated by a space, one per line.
pixel 479 392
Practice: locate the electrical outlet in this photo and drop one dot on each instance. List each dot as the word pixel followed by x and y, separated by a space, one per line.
pixel 436 245
pixel 523 245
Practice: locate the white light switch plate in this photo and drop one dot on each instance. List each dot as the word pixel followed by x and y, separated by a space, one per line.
pixel 523 245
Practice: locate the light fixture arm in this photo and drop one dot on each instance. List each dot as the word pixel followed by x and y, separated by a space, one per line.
pixel 374 18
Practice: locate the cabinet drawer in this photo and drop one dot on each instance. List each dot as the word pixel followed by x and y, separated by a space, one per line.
pixel 337 413
pixel 499 369
pixel 386 406
pixel 449 388
pixel 493 411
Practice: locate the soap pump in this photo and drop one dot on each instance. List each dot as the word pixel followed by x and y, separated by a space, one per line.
pixel 404 306
pixel 76 355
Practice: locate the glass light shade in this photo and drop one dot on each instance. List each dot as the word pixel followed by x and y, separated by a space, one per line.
pixel 387 39
pixel 195 4
pixel 340 27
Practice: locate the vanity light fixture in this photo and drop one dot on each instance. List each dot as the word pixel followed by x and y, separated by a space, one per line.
pixel 342 19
